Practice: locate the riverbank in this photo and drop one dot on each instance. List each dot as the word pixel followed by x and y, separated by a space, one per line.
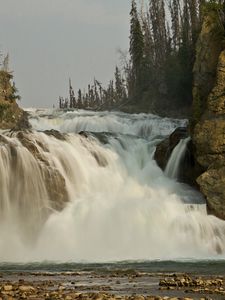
pixel 113 285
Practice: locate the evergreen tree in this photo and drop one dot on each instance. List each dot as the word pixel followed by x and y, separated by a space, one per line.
pixel 174 6
pixel 120 92
pixel 158 73
pixel 79 101
pixel 136 51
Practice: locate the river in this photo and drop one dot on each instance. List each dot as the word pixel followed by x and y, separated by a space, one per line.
pixel 121 208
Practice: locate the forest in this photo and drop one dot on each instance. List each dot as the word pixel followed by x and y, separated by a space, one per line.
pixel 156 75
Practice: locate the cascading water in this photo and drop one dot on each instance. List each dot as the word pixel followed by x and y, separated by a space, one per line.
pixel 99 195
pixel 174 163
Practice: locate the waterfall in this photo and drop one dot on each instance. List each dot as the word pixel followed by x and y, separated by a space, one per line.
pixel 99 195
pixel 174 163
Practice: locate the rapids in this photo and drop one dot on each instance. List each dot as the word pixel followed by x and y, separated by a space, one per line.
pixel 120 206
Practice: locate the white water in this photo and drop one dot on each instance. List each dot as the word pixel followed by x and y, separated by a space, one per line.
pixel 124 208
pixel 174 163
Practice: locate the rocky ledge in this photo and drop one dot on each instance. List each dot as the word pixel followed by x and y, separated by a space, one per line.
pixel 14 145
pixel 190 168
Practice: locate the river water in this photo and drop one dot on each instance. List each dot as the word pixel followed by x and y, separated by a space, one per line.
pixel 122 208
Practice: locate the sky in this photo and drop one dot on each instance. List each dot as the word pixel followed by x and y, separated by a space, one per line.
pixel 49 41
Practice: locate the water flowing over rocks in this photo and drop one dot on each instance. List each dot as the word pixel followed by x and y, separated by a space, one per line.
pixel 30 173
pixel 58 135
pixel 189 168
pixel 82 196
pixel 53 179
pixel 165 148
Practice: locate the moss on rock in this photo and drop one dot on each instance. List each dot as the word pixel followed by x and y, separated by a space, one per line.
pixel 11 115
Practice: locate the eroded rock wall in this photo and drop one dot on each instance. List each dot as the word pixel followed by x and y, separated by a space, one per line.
pixel 208 131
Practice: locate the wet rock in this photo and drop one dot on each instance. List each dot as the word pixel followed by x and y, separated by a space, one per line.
pixel 58 135
pixel 190 167
pixel 54 181
pixel 51 185
pixel 101 160
pixel 165 148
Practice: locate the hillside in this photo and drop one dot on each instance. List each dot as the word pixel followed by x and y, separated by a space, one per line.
pixel 11 115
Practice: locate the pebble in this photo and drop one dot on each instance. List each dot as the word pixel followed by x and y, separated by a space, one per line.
pixel 57 289
pixel 7 287
pixel 26 288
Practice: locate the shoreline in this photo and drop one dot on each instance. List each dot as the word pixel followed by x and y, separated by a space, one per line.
pixel 114 285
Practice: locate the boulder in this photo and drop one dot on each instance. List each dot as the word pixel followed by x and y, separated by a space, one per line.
pixel 165 148
pixel 190 168
pixel 58 135
pixel 212 185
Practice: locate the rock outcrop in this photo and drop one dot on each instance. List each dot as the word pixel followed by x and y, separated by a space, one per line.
pixel 165 148
pixel 32 184
pixel 204 163
pixel 11 115
pixel 190 168
pixel 54 181
pixel 208 126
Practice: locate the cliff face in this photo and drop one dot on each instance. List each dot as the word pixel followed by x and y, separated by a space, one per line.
pixel 208 123
pixel 208 49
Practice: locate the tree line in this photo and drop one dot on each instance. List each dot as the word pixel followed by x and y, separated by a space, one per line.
pixel 157 74
pixel 96 96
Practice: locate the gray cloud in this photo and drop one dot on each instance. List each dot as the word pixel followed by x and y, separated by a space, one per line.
pixel 50 40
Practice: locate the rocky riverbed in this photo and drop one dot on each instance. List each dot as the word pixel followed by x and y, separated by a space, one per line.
pixel 112 285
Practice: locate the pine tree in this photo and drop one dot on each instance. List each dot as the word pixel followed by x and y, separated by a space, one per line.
pixel 193 8
pixel 79 101
pixel 136 51
pixel 174 7
pixel 120 92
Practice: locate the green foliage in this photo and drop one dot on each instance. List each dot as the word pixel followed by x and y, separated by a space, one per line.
pixel 158 74
pixel 3 109
pixel 8 90
pixel 136 51
pixel 210 6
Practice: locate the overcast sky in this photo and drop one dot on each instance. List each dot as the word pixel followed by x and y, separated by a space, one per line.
pixel 51 40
